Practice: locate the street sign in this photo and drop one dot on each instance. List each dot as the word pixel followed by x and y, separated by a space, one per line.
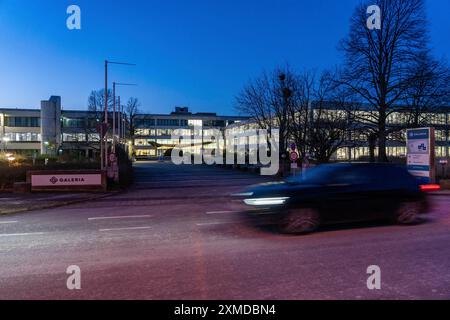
pixel 293 156
pixel 420 148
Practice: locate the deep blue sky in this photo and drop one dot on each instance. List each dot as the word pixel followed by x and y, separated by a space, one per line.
pixel 197 53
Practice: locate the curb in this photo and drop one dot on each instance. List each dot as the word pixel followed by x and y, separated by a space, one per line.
pixel 57 205
pixel 439 194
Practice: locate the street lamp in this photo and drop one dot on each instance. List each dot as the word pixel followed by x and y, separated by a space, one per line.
pixel 115 84
pixel 5 143
pixel 104 142
pixel 124 123
pixel 10 157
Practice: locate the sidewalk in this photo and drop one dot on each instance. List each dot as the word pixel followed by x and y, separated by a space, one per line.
pixel 16 203
pixel 440 193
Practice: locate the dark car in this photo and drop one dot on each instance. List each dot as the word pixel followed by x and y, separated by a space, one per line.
pixel 335 193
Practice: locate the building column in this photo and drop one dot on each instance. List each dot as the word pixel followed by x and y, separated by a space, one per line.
pixel 51 125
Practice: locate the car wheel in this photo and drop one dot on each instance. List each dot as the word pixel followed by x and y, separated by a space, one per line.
pixel 408 213
pixel 300 221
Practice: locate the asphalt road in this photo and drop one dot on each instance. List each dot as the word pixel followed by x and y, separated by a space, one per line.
pixel 177 235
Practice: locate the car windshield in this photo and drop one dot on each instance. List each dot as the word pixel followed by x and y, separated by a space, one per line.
pixel 318 175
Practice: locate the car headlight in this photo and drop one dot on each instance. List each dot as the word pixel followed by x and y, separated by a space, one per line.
pixel 266 201
pixel 244 194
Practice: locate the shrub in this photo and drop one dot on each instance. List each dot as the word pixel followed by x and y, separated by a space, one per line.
pixel 125 167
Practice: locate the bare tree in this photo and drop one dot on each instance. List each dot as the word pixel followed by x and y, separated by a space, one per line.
pixel 96 103
pixel 319 116
pixel 132 109
pixel 428 92
pixel 379 63
pixel 303 95
pixel 307 109
pixel 268 99
pixel 329 124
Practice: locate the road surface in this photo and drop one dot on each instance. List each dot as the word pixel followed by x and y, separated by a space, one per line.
pixel 176 235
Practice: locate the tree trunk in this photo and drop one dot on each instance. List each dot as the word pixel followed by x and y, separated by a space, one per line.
pixel 382 157
pixel 416 119
pixel 372 143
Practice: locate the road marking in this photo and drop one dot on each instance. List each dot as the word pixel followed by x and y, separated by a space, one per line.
pixel 213 223
pixel 23 234
pixel 124 229
pixel 119 217
pixel 8 222
pixel 221 212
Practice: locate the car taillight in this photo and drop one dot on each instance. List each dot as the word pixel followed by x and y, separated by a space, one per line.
pixel 430 187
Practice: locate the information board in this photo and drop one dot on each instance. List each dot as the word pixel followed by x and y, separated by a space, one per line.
pixel 421 157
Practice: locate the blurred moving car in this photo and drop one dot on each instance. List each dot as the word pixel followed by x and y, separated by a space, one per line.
pixel 335 193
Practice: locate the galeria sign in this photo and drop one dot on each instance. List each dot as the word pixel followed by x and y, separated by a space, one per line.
pixel 66 180
pixel 421 156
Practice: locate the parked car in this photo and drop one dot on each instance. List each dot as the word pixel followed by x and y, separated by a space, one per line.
pixel 336 193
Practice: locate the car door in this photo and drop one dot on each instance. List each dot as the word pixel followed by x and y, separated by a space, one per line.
pixel 388 190
pixel 348 196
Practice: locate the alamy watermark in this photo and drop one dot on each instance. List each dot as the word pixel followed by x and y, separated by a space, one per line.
pixel 374 280
pixel 73 22
pixel 374 20
pixel 213 146
pixel 74 280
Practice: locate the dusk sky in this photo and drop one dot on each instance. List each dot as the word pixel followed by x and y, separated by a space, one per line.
pixel 195 53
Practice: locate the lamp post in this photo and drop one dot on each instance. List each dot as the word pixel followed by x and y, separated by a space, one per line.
pixel 120 119
pixel 10 159
pixel 121 122
pixel 124 122
pixel 5 143
pixel 115 84
pixel 104 142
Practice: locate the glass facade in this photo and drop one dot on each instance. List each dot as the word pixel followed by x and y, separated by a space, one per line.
pixel 168 122
pixel 74 137
pixel 24 122
pixel 153 136
pixel 144 132
pixel 23 137
pixel 73 123
pixel 145 123
pixel 441 135
pixel 153 132
pixel 93 137
pixel 146 153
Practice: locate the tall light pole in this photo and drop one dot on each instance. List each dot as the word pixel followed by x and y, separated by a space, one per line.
pixel 104 143
pixel 115 84
pixel 104 139
pixel 120 119
pixel 124 120
pixel 114 119
pixel 5 143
